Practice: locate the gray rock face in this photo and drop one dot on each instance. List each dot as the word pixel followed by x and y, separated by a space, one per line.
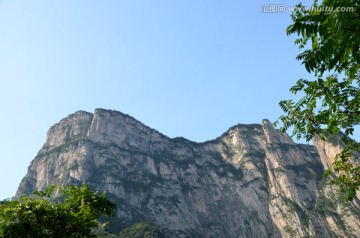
pixel 250 182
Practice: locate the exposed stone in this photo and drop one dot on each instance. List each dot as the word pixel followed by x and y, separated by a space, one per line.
pixel 252 181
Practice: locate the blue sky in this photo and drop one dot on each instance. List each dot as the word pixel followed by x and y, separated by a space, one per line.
pixel 186 68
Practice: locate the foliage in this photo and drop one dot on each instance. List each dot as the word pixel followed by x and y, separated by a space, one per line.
pixel 140 230
pixel 98 232
pixel 329 37
pixel 72 217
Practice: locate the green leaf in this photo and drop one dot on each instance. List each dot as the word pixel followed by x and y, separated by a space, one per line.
pixel 331 105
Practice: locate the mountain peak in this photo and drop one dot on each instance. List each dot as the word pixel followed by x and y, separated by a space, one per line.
pixel 252 181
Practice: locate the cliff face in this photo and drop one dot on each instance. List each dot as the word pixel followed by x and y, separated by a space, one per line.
pixel 250 182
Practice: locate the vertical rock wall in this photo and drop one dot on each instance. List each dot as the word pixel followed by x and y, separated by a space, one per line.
pixel 250 182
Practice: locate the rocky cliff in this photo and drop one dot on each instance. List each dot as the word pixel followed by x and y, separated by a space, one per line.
pixel 252 181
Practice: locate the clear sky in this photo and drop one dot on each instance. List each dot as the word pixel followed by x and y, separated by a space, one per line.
pixel 190 68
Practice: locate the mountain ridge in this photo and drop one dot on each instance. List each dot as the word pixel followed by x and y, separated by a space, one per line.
pixel 251 181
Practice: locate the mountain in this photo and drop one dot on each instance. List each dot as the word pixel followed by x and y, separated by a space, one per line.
pixel 252 181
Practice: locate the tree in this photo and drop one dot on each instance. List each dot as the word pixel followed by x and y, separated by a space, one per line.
pixel 74 215
pixel 140 230
pixel 137 230
pixel 329 38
